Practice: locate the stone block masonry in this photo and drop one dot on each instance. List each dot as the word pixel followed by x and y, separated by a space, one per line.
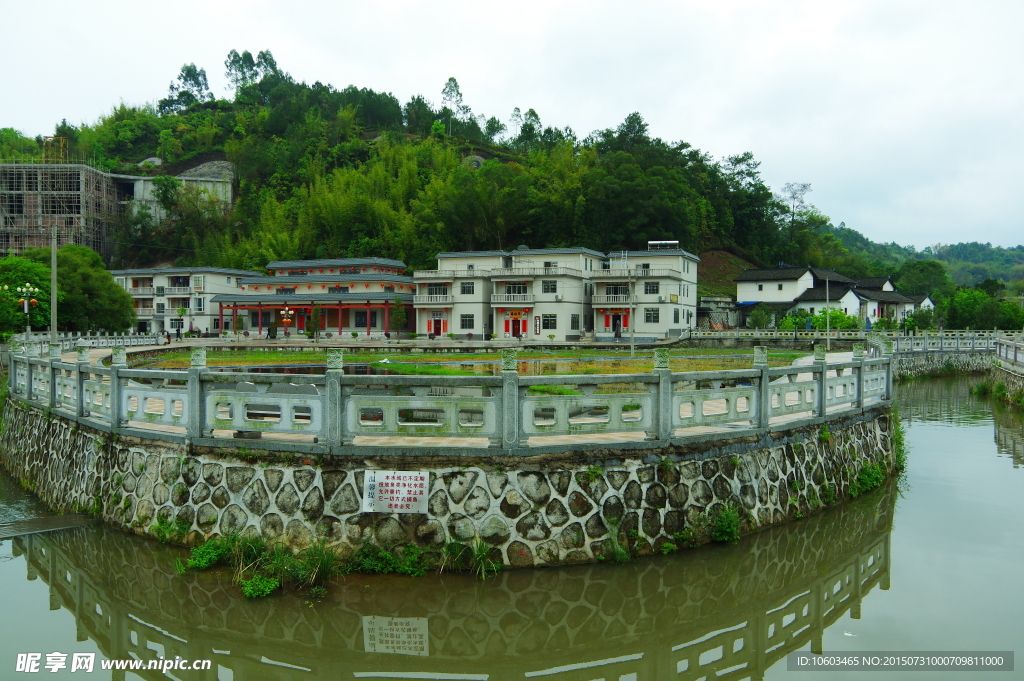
pixel 547 509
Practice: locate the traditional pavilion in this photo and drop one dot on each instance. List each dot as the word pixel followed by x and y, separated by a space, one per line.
pixel 355 295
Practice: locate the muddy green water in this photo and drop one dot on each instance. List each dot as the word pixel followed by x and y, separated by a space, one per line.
pixel 936 567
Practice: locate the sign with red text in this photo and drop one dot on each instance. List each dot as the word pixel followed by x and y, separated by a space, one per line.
pixel 395 491
pixel 397 635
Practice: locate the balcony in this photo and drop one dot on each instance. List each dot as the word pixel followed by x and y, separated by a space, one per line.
pixel 447 275
pixel 512 298
pixel 432 300
pixel 144 311
pixel 177 290
pixel 535 272
pixel 610 300
pixel 636 273
pixel 141 290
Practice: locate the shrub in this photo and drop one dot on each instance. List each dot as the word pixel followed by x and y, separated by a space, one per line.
pixel 258 586
pixel 726 527
pixel 824 435
pixel 209 554
pixel 828 494
pixel 869 477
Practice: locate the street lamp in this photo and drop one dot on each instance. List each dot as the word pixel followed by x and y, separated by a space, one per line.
pixel 27 292
pixel 286 318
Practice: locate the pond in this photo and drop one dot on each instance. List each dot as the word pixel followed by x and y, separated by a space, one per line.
pixel 930 564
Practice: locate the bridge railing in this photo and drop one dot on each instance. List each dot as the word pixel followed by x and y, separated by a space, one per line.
pixel 932 340
pixel 1010 353
pixel 68 341
pixel 337 409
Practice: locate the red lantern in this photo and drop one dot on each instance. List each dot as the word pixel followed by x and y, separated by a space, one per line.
pixel 364 269
pixel 243 288
pixel 374 269
pixel 321 269
pixel 501 309
pixel 323 285
pixel 331 270
pixel 366 286
pixel 308 286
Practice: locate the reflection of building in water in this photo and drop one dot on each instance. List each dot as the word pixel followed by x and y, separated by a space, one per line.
pixel 1010 434
pixel 694 614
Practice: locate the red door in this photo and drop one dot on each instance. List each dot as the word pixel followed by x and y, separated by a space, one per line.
pixel 437 327
pixel 515 328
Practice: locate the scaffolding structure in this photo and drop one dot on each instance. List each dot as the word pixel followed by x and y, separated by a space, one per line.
pixel 39 194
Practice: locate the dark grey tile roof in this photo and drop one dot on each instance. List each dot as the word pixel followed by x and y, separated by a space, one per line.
pixel 832 275
pixel 470 254
pixel 872 282
pixel 918 297
pixel 773 274
pixel 183 270
pixel 883 296
pixel 557 251
pixel 300 298
pixel 328 278
pixel 335 262
pixel 833 292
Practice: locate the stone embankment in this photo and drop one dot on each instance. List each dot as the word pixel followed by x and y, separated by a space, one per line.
pixel 939 362
pixel 537 510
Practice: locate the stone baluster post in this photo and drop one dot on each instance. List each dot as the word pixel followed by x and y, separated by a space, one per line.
pixel 196 406
pixel 858 356
pixel 663 398
pixel 118 361
pixel 510 427
pixel 763 403
pixel 821 362
pixel 14 353
pixel 82 360
pixel 334 409
pixel 890 365
pixel 54 373
pixel 31 353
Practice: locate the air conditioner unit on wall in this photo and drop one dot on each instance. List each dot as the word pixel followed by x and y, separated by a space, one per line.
pixel 661 299
pixel 558 296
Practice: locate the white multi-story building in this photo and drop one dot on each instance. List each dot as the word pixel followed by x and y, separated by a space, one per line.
pixel 653 290
pixel 560 294
pixel 171 298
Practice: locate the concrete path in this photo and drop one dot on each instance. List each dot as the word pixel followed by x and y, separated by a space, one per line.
pixel 60 522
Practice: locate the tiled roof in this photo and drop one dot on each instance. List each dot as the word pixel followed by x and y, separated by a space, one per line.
pixel 471 254
pixel 328 278
pixel 834 292
pixel 300 297
pixel 872 282
pixel 773 274
pixel 883 296
pixel 335 262
pixel 182 270
pixel 832 275
pixel 557 251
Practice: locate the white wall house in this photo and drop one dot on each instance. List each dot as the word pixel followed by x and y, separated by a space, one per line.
pixel 648 295
pixel 564 293
pixel 160 293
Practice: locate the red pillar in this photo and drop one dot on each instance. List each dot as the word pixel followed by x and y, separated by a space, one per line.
pixel 340 309
pixel 387 318
pixel 259 311
pixel 368 319
pixel 234 317
pixel 220 311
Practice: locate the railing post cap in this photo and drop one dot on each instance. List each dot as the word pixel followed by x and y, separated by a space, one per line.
pixel 661 358
pixel 819 353
pixel 197 357
pixel 335 358
pixel 118 356
pixel 509 359
pixel 760 355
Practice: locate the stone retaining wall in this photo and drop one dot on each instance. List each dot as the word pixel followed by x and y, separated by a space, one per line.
pixel 540 510
pixel 935 362
pixel 1013 380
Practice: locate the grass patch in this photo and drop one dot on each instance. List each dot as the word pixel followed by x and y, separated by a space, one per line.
pixel 869 477
pixel 726 526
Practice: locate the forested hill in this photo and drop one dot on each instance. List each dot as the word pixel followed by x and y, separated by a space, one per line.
pixel 323 172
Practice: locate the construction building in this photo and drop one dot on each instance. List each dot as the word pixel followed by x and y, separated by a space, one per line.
pixel 40 194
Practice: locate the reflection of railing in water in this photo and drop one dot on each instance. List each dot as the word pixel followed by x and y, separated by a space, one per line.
pixel 1010 435
pixel 775 591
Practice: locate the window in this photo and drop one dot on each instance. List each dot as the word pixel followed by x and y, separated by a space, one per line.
pixel 515 289
pixel 161 308
pixel 644 266
pixel 652 315
pixel 216 323
pixel 574 322
pixel 760 287
pixel 338 289
pixel 549 263
pixel 200 304
pixel 177 324
pixel 780 287
pixel 616 289
pixel 549 287
pixel 549 321
pixel 361 319
pixel 197 281
pixel 675 315
pixel 228 280
pixel 470 267
pixel 652 287
pixel 437 289
pixel 120 281
pixel 812 310
pixel 467 289
pixel 466 321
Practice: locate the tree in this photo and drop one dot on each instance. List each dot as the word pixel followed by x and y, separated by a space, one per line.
pixel 760 317
pixel 793 193
pixel 191 88
pixel 492 128
pixel 316 321
pixel 398 316
pixel 451 96
pixel 991 286
pixel 90 299
pixel 922 276
pixel 15 272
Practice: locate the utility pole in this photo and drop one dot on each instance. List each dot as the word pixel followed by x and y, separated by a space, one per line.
pixel 53 282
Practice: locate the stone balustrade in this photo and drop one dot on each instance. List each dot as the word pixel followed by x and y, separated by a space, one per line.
pixel 328 412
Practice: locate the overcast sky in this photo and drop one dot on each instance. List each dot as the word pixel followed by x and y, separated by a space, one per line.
pixel 904 115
